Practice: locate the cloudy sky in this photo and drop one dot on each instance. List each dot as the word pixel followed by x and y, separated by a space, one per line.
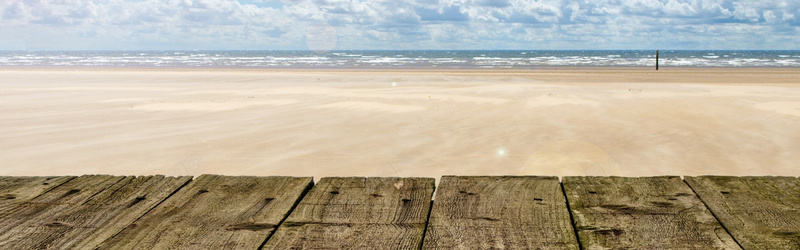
pixel 399 24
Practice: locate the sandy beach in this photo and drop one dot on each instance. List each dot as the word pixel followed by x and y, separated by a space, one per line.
pixel 589 121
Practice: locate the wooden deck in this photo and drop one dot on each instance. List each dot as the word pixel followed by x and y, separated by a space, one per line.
pixel 512 212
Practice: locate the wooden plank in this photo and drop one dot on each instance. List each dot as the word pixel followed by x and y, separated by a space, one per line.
pixel 215 212
pixel 506 212
pixel 760 212
pixel 84 211
pixel 17 190
pixel 25 188
pixel 358 213
pixel 647 213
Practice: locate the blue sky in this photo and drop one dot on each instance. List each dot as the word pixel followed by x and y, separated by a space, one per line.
pixel 399 24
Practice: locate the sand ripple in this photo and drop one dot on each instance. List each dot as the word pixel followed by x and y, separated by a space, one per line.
pixel 786 108
pixel 211 106
pixel 570 157
pixel 423 94
pixel 548 101
pixel 372 106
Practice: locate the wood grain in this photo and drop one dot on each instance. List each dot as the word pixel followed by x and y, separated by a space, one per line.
pixel 505 212
pixel 215 212
pixel 358 213
pixel 17 190
pixel 84 211
pixel 760 212
pixel 647 213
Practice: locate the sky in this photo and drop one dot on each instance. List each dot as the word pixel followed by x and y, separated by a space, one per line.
pixel 398 24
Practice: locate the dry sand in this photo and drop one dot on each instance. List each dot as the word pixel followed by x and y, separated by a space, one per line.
pixel 629 122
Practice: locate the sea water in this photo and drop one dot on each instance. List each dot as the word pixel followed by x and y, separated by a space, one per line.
pixel 445 59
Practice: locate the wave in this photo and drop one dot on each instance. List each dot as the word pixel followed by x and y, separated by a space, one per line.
pixel 401 59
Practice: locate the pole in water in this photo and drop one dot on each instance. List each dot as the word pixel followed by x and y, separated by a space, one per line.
pixel 656 59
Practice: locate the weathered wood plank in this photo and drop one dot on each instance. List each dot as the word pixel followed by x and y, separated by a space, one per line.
pixel 215 212
pixel 84 211
pixel 646 213
pixel 17 190
pixel 506 212
pixel 760 212
pixel 358 213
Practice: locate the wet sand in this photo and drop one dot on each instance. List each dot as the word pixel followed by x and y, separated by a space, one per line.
pixel 628 122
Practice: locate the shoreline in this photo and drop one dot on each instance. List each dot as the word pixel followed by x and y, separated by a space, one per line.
pixel 682 75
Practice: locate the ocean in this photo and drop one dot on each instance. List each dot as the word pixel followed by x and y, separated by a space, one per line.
pixel 444 59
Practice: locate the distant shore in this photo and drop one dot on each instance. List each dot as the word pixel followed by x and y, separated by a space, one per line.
pixel 399 122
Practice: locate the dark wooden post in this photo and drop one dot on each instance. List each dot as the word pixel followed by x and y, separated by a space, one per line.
pixel 656 59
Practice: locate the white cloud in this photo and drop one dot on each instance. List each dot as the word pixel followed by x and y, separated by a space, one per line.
pixel 770 17
pixel 746 13
pixel 407 24
pixel 788 16
pixel 675 8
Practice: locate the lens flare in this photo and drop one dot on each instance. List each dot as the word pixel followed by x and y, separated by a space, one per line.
pixel 501 152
